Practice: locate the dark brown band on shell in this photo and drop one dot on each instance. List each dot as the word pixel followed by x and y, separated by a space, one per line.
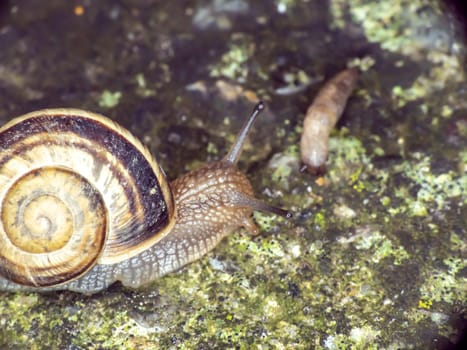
pixel 156 213
pixel 117 164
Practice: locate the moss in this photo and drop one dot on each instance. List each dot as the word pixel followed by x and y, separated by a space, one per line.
pixel 387 24
pixel 431 190
pixel 320 220
pixel 444 285
pixel 233 64
pixel 109 99
pixel 457 243
pixel 379 246
pixel 283 165
pixel 386 201
pixel 347 159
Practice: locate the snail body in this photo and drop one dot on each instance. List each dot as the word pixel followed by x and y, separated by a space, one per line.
pixel 322 116
pixel 85 204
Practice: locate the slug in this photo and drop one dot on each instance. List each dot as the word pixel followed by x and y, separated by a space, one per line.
pixel 322 116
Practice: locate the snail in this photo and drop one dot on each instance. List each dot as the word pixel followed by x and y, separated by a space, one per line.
pixel 84 204
pixel 322 116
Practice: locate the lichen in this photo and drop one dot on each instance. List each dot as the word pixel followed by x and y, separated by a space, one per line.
pixel 233 63
pixel 446 69
pixel 283 165
pixel 445 285
pixel 432 191
pixel 426 36
pixel 110 99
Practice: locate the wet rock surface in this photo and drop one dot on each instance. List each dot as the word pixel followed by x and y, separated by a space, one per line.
pixel 375 256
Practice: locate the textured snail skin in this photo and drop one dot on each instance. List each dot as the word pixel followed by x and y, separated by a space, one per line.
pixel 203 207
pixel 205 214
pixel 322 116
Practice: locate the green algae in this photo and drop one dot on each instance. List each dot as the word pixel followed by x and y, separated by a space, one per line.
pixel 444 284
pixel 283 165
pixel 234 63
pixel 433 190
pixel 110 99
pixel 348 158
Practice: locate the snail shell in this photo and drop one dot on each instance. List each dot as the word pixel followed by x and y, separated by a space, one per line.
pixel 85 204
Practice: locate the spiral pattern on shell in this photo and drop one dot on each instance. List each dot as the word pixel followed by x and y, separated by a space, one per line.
pixel 75 190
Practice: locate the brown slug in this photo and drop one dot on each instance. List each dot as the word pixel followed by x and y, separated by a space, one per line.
pixel 84 204
pixel 322 116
